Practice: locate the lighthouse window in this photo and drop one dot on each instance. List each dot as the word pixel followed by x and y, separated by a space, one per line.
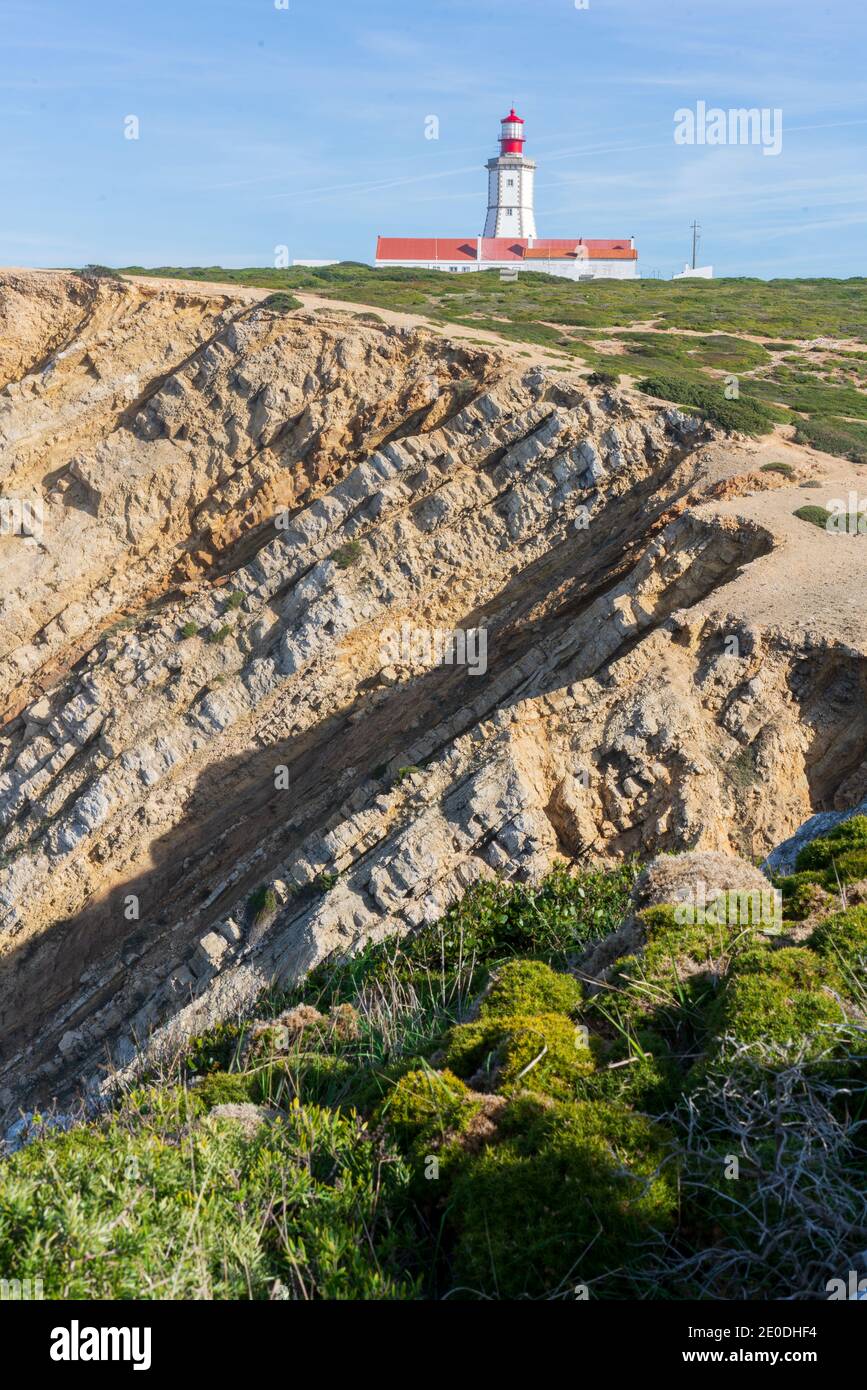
pixel 510 183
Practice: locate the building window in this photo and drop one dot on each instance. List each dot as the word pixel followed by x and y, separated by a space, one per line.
pixel 509 211
pixel 510 183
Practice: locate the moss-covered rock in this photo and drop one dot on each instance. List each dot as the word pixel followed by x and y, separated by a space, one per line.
pixel 643 1072
pixel 543 1052
pixel 427 1106
pixel 842 939
pixel 787 997
pixel 803 894
pixel 528 987
pixel 848 867
pixel 848 835
pixel 823 867
pixel 565 1192
pixel 225 1088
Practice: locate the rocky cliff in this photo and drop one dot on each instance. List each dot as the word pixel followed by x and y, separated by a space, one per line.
pixel 229 747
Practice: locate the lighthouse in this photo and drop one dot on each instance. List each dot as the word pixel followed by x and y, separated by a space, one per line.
pixel 509 241
pixel 510 184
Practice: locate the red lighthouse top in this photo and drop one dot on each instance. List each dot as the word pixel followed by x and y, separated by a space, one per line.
pixel 511 134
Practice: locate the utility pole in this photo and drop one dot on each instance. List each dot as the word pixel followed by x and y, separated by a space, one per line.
pixel 696 229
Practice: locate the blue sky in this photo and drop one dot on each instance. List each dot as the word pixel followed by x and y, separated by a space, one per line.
pixel 305 126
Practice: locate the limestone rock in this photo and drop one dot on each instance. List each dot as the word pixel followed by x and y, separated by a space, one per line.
pixel 203 710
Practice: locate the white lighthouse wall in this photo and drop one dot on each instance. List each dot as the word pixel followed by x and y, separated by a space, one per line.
pixel 526 215
pixel 510 197
pixel 493 200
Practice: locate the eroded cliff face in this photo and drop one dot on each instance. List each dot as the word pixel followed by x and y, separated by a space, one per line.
pixel 203 706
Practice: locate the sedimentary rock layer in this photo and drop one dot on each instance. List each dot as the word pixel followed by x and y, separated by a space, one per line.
pixel 228 747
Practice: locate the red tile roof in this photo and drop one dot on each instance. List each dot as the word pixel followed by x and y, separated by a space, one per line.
pixel 401 248
pixel 503 248
pixel 584 248
pixel 540 253
pixel 464 250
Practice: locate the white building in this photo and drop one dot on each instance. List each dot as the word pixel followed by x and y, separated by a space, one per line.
pixel 694 272
pixel 509 239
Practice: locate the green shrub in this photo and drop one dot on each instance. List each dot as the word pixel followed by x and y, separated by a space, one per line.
pixel 281 303
pixel 844 438
pixel 190 629
pixel 848 868
pixel 641 1071
pixel 100 272
pixel 746 415
pixel 817 516
pixel 324 882
pixel 112 1211
pixel 348 554
pixel 785 469
pixel 235 599
pixel 667 985
pixel 404 772
pixel 261 903
pixel 214 1050
pixel 495 920
pixel 425 1106
pixel 803 894
pixel 218 635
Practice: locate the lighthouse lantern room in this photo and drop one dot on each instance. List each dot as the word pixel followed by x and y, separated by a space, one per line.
pixel 510 184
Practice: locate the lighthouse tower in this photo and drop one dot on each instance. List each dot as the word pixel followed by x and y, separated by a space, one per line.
pixel 510 185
